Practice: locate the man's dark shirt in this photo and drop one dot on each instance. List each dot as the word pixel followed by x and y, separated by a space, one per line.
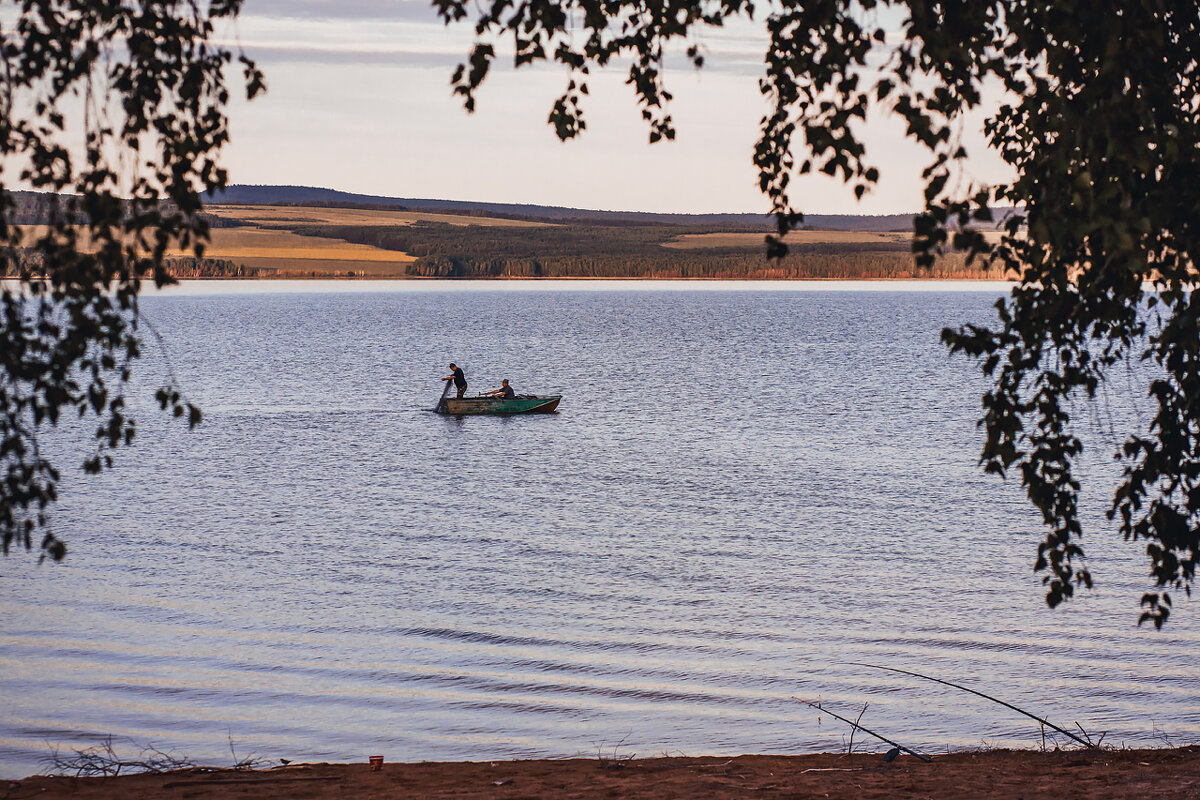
pixel 507 393
pixel 460 380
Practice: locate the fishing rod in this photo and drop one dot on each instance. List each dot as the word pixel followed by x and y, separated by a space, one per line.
pixel 897 745
pixel 1043 721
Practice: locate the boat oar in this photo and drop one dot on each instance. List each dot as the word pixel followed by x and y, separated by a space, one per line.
pixel 442 399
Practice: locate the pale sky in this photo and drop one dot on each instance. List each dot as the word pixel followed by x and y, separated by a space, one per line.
pixel 359 100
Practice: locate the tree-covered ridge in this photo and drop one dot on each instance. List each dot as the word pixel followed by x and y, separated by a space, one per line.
pixel 317 198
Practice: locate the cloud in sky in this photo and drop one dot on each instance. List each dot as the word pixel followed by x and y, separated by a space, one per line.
pixel 364 31
pixel 359 99
pixel 355 10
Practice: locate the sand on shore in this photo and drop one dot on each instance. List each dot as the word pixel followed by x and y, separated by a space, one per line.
pixel 1169 774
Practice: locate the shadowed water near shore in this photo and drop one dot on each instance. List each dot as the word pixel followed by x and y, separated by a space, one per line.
pixel 746 488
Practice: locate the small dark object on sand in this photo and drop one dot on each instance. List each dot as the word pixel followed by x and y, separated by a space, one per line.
pixel 891 755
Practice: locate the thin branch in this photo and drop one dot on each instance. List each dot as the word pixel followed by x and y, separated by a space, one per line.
pixel 850 744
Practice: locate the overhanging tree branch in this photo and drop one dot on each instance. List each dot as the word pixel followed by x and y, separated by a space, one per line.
pixel 1101 126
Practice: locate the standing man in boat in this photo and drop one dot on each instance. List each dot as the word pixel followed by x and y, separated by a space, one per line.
pixel 505 392
pixel 460 380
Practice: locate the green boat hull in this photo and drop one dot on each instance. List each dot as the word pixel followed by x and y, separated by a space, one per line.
pixel 457 407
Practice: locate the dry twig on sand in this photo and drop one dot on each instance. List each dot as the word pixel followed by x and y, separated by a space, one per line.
pixel 102 759
pixel 248 762
pixel 613 759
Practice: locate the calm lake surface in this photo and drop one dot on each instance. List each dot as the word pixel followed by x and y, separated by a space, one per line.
pixel 747 488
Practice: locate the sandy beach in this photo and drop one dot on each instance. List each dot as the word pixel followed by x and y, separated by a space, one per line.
pixel 1171 774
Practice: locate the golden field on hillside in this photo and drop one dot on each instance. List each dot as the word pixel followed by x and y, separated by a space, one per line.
pixel 263 242
pixel 285 253
pixel 261 245
pixel 291 253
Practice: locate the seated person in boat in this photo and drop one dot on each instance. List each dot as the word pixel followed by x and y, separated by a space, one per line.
pixel 460 380
pixel 505 392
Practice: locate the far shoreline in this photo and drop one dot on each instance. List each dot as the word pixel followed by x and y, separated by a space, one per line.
pixel 588 278
pixel 193 287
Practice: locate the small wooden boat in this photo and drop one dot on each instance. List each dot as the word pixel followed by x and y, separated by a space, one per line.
pixel 521 404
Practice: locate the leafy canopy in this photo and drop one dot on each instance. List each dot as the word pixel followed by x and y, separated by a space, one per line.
pixel 1101 125
pixel 115 110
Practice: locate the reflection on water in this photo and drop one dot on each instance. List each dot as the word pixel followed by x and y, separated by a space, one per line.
pixel 746 488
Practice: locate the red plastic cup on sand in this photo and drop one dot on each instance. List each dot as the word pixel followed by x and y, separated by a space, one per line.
pixel 376 763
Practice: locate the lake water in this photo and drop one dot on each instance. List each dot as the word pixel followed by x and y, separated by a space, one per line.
pixel 747 488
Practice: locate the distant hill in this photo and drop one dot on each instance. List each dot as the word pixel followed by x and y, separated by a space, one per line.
pixel 261 195
pixel 300 232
